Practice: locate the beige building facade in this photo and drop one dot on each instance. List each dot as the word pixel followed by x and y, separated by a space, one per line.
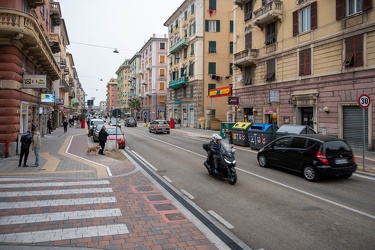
pixel 306 62
pixel 123 87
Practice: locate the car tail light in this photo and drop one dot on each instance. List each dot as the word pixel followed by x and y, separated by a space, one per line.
pixel 322 157
pixel 353 159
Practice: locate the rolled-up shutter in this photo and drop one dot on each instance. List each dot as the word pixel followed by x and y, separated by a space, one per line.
pixel 353 124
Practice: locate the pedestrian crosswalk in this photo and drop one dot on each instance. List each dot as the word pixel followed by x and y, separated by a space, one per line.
pixel 40 211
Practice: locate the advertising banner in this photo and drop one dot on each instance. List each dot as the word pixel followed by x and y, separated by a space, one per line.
pixel 220 92
pixel 34 81
pixel 48 98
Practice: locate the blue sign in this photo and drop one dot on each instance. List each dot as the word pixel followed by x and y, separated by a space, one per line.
pixel 145 113
pixel 48 98
pixel 159 110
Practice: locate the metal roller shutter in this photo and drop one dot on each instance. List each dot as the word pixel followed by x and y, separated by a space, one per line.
pixel 353 132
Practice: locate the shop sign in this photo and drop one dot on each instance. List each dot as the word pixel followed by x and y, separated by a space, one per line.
pixel 220 92
pixel 48 98
pixel 34 81
pixel 24 108
pixel 270 111
pixel 59 101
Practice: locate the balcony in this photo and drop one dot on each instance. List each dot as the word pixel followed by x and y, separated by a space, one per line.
pixel 240 2
pixel 36 3
pixel 55 13
pixel 71 93
pixel 64 86
pixel 18 27
pixel 268 12
pixel 148 66
pixel 178 83
pixel 144 82
pixel 179 45
pixel 54 42
pixel 246 57
pixel 148 93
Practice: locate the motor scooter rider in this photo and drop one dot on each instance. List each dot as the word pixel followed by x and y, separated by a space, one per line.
pixel 215 147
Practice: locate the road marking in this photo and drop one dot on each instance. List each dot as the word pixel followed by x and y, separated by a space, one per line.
pixel 64 234
pixel 54 184
pixel 187 194
pixel 149 164
pixel 56 192
pixel 309 194
pixel 60 202
pixel 220 219
pixel 59 216
pixel 167 179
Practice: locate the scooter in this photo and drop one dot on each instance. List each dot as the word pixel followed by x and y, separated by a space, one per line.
pixel 227 163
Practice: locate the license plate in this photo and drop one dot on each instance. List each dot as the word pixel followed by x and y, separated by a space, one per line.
pixel 341 161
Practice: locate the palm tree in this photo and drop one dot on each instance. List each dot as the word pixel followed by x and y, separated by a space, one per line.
pixel 135 104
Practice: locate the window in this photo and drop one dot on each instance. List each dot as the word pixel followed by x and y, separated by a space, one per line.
pixel 170 94
pixel 212 25
pixel 211 86
pixel 192 29
pixel 305 62
pixel 162 72
pixel 305 19
pixel 176 24
pixel 162 45
pixel 351 7
pixel 249 74
pixel 184 93
pixel 185 52
pixel 161 86
pixel 161 99
pixel 270 76
pixel 191 69
pixel 191 90
pixel 192 49
pixel 231 25
pixel 298 142
pixel 192 9
pixel 162 59
pixel 230 68
pixel 354 51
pixel 183 71
pixel 231 47
pixel 271 33
pixel 248 40
pixel 248 11
pixel 282 143
pixel 185 15
pixel 212 68
pixel 212 47
pixel 212 5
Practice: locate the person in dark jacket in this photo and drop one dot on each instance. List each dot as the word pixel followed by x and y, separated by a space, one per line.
pixel 25 148
pixel 102 139
pixel 215 147
pixel 49 126
pixel 65 124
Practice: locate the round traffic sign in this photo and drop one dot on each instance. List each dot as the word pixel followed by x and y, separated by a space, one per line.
pixel 364 101
pixel 145 113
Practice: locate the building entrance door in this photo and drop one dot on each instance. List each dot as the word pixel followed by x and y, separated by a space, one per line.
pixel 307 116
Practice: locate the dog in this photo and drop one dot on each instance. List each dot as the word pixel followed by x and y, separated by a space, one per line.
pixel 93 149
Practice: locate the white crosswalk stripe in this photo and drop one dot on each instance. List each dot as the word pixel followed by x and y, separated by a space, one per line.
pixel 64 209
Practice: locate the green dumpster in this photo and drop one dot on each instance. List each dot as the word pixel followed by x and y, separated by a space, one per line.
pixel 240 133
pixel 224 128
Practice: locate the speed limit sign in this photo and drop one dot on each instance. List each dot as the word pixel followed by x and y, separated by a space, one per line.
pixel 364 101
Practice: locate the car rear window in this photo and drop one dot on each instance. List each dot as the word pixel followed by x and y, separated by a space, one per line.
pixel 336 147
pixel 298 142
pixel 162 123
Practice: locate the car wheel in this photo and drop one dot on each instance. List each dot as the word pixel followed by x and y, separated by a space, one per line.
pixel 149 130
pixel 262 160
pixel 310 173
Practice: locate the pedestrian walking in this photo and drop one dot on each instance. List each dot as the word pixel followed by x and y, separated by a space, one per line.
pixel 102 139
pixel 36 143
pixel 65 124
pixel 49 126
pixel 25 148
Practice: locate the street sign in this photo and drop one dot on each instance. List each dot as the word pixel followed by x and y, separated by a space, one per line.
pixel 116 113
pixel 145 113
pixel 159 110
pixel 364 101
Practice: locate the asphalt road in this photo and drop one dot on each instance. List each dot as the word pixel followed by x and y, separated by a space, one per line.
pixel 267 208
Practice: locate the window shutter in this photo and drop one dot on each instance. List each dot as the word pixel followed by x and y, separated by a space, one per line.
pixel 212 5
pixel 248 40
pixel 314 15
pixel 302 63
pixel 218 26
pixel 231 26
pixel 366 4
pixel 207 25
pixel 358 55
pixel 308 61
pixel 340 9
pixel 295 23
pixel 231 47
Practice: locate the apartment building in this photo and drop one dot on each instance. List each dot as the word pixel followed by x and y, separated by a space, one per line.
pixel 200 62
pixel 154 77
pixel 124 87
pixel 306 62
pixel 136 83
pixel 111 95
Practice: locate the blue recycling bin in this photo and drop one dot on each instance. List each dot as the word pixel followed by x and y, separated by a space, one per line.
pixel 260 134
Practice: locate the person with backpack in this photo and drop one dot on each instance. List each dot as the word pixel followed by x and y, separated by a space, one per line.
pixel 25 148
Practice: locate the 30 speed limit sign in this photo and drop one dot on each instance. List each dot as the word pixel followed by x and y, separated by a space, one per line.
pixel 364 101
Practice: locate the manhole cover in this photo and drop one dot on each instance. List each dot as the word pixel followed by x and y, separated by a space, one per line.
pixel 176 216
pixel 144 188
pixel 164 207
pixel 156 198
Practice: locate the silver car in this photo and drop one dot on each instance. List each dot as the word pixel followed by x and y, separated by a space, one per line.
pixel 159 126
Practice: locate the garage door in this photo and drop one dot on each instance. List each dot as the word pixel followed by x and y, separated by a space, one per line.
pixel 353 126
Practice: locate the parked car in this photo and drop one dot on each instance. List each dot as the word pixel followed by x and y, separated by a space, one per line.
pixel 130 122
pixel 159 126
pixel 95 133
pixel 93 124
pixel 312 155
pixel 112 131
pixel 114 122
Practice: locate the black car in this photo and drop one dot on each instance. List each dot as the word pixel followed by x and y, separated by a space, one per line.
pixel 130 122
pixel 312 155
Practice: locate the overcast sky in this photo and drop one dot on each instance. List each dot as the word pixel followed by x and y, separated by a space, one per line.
pixel 122 24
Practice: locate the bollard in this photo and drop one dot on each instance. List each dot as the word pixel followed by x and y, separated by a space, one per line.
pixel 6 148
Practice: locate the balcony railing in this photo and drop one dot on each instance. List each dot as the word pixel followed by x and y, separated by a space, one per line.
pixel 245 57
pixel 64 86
pixel 55 13
pixel 268 12
pixel 178 83
pixel 184 42
pixel 36 3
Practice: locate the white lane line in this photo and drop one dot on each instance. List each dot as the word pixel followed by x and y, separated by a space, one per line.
pixel 187 194
pixel 149 164
pixel 167 179
pixel 311 195
pixel 54 184
pixel 64 234
pixel 56 192
pixel 60 202
pixel 59 216
pixel 220 219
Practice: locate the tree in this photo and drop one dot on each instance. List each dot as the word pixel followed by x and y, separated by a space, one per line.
pixel 135 104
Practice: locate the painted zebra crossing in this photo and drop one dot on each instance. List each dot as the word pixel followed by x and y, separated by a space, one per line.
pixel 31 211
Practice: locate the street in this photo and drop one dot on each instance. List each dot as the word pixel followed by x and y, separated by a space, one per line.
pixel 267 208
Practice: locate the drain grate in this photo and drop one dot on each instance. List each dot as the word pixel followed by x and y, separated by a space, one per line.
pixel 175 216
pixel 156 198
pixel 144 188
pixel 164 207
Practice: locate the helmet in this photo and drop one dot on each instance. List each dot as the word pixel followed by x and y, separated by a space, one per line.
pixel 216 137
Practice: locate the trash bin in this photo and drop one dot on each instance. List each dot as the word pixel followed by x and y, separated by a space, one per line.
pixel 229 136
pixel 224 127
pixel 294 129
pixel 260 134
pixel 240 133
